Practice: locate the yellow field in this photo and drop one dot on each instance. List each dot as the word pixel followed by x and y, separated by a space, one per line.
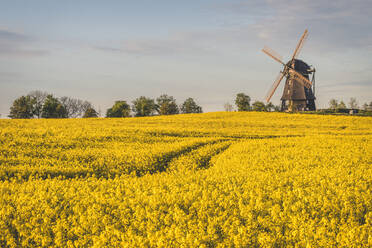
pixel 202 180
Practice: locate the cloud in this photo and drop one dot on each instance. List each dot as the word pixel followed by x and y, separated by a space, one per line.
pixel 108 49
pixel 12 36
pixel 334 25
pixel 17 44
pixel 366 84
pixel 174 44
pixel 255 8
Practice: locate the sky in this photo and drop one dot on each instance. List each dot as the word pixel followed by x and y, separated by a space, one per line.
pixel 103 51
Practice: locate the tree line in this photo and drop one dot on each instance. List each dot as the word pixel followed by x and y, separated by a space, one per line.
pixel 146 106
pixel 38 104
pixel 243 103
pixel 335 105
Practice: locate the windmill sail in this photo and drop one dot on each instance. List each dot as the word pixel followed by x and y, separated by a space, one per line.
pixel 274 86
pixel 273 54
pixel 300 45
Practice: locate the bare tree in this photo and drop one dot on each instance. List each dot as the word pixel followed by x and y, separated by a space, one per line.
pixel 39 98
pixel 333 104
pixel 75 107
pixel 71 106
pixel 84 106
pixel 353 104
pixel 228 107
pixel 367 107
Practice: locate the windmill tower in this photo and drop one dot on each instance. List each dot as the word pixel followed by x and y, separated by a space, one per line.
pixel 298 94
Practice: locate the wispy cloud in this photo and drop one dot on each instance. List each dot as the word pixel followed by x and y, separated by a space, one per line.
pixel 333 26
pixel 12 36
pixel 367 84
pixel 18 44
pixel 176 43
pixel 252 8
pixel 108 49
pixel 336 24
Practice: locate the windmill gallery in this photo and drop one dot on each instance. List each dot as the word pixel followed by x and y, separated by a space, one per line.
pixel 298 94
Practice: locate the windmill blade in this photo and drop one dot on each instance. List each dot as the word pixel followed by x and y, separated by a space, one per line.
pixel 300 45
pixel 273 54
pixel 274 86
pixel 301 79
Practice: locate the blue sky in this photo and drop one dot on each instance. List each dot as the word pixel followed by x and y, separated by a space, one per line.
pixel 104 51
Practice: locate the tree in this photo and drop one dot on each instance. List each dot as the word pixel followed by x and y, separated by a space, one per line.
pixel 341 105
pixel 39 99
pixel 270 107
pixel 333 104
pixel 85 105
pixel 91 112
pixel 71 106
pixel 144 106
pixel 242 102
pixel 53 108
pixel 189 106
pixel 353 104
pixel 258 106
pixel 367 107
pixel 119 109
pixel 228 107
pixel 166 105
pixel 22 108
pixel 75 107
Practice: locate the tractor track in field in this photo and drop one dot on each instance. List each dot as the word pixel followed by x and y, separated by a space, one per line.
pixel 161 165
pixel 199 162
pixel 165 164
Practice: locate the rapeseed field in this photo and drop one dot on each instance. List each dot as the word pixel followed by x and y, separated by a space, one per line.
pixel 197 180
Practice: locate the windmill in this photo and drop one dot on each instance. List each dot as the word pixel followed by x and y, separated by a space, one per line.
pixel 298 94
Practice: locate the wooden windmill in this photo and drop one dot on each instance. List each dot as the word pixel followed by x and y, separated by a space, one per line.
pixel 298 94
